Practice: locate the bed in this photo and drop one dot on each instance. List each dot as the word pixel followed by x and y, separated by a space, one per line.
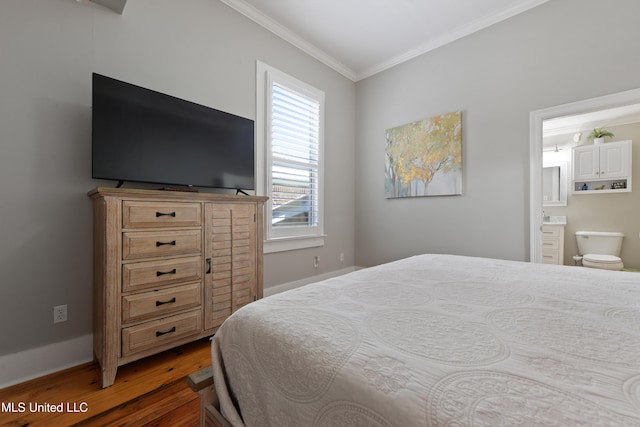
pixel 436 340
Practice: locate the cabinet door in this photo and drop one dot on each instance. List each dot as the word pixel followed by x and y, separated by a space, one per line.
pixel 231 256
pixel 586 163
pixel 614 161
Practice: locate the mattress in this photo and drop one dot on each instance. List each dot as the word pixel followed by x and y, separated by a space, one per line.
pixel 437 340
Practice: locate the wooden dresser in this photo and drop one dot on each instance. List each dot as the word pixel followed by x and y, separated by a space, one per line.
pixel 169 268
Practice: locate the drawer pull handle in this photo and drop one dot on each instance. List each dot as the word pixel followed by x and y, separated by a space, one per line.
pixel 162 273
pixel 159 334
pixel 159 214
pixel 158 303
pixel 208 266
pixel 172 243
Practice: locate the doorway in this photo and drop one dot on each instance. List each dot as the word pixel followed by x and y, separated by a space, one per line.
pixel 536 120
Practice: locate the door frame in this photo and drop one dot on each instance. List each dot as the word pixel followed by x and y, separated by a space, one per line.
pixel 536 118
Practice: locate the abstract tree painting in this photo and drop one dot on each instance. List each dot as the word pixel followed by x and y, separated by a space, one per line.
pixel 424 158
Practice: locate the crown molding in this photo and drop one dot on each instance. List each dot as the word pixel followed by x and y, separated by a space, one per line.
pixel 586 126
pixel 289 36
pixel 115 5
pixel 451 36
pixel 278 29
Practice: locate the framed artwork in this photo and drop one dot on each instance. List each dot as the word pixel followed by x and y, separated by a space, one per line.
pixel 424 158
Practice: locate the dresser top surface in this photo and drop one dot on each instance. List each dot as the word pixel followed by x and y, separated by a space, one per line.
pixel 134 193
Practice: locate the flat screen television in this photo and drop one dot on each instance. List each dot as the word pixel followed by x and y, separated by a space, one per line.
pixel 141 135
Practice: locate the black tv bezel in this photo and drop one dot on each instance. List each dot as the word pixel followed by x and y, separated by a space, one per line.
pixel 169 183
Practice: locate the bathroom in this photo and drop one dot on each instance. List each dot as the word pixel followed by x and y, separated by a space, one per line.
pixel 592 211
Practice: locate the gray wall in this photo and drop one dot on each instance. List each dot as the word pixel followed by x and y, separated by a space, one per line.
pixel 496 77
pixel 199 50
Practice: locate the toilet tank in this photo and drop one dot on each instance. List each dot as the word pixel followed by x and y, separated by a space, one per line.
pixel 599 242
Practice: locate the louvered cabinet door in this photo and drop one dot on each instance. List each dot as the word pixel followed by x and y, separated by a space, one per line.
pixel 231 260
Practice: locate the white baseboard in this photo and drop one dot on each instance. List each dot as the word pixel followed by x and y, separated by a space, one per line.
pixel 272 290
pixel 36 362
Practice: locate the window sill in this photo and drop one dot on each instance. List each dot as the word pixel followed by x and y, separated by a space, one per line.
pixel 293 243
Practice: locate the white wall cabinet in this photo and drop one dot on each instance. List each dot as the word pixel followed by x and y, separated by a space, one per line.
pixel 603 168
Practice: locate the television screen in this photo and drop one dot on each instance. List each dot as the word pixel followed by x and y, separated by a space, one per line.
pixel 145 136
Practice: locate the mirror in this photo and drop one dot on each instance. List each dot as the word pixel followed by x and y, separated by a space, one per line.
pixel 554 184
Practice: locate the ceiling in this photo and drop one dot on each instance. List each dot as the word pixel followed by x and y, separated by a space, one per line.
pixel 359 38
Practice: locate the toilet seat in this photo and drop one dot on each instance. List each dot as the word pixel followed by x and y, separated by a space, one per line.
pixel 605 262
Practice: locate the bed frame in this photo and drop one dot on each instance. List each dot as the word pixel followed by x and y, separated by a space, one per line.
pixel 202 382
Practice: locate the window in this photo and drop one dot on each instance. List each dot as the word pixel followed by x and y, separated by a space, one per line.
pixel 290 128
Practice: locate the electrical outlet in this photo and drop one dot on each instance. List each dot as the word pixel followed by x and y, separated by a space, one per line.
pixel 316 261
pixel 341 256
pixel 60 313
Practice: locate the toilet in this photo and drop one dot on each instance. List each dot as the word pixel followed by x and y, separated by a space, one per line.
pixel 600 249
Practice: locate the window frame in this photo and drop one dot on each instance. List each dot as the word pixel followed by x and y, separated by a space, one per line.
pixel 284 238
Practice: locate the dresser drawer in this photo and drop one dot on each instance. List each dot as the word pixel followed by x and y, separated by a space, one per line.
pixel 550 257
pixel 149 305
pixel 551 232
pixel 157 274
pixel 550 244
pixel 145 244
pixel 160 214
pixel 159 332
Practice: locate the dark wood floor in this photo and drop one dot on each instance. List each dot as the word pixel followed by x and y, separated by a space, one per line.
pixel 149 392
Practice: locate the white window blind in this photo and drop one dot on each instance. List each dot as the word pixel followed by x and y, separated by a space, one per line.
pixel 290 131
pixel 295 133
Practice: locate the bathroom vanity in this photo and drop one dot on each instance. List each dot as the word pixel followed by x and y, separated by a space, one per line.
pixel 553 239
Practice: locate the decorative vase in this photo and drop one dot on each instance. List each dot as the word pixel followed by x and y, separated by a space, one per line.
pixel 598 141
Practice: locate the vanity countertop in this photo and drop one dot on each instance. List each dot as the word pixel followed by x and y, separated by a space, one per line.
pixel 554 220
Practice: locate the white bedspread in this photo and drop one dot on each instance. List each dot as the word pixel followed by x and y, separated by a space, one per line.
pixel 438 340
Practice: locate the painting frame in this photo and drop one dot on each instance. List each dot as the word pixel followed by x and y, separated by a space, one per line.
pixel 424 158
